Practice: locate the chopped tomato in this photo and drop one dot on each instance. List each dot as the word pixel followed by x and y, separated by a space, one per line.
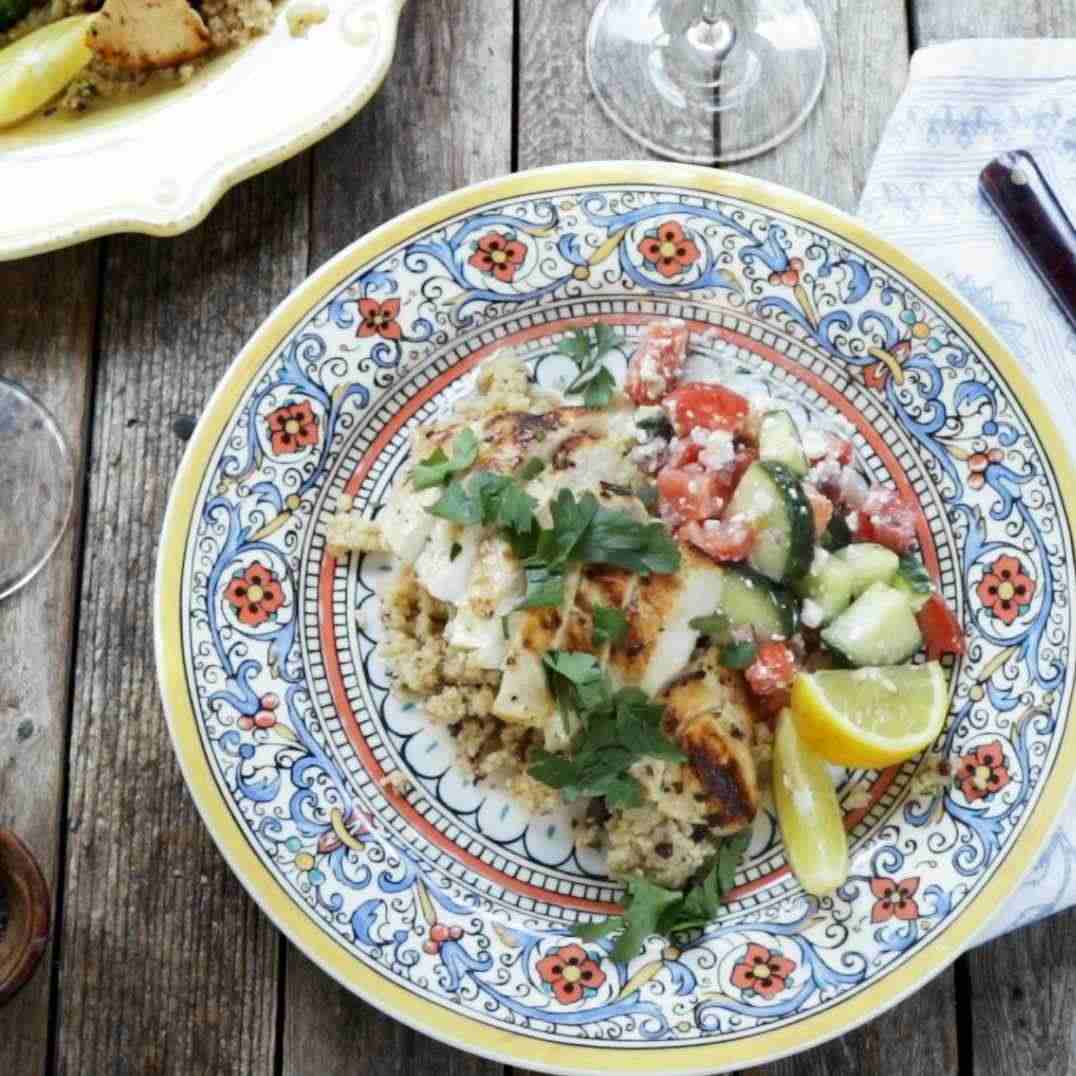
pixel 722 539
pixel 705 406
pixel 658 362
pixel 821 506
pixel 940 627
pixel 773 670
pixel 682 451
pixel 730 474
pixel 690 495
pixel 889 520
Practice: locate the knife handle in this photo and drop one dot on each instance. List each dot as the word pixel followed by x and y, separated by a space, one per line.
pixel 1018 192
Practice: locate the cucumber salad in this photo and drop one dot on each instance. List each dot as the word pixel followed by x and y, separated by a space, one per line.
pixel 826 605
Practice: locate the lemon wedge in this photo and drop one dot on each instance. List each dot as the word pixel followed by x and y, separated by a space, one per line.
pixel 38 66
pixel 871 717
pixel 807 808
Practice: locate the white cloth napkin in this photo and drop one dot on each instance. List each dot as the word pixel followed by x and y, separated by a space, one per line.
pixel 965 103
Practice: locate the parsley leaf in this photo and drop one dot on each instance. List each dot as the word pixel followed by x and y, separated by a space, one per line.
pixel 651 909
pixel 621 540
pixel 586 348
pixel 531 469
pixel 571 518
pixel 598 391
pixel 438 468
pixel 645 905
pixel 457 506
pixel 545 589
pixel 639 726
pixel 491 499
pixel 610 625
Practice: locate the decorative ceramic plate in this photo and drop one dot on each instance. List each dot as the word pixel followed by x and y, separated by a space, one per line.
pixel 443 903
pixel 158 164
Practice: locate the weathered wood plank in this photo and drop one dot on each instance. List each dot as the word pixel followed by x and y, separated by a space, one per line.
pixel 36 624
pixel 1022 1001
pixel 829 156
pixel 442 120
pixel 559 118
pixel 167 966
pixel 947 20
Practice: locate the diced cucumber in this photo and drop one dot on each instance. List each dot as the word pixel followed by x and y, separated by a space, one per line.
pixel 771 496
pixel 912 578
pixel 878 628
pixel 752 601
pixel 867 564
pixel 837 534
pixel 829 586
pixel 779 441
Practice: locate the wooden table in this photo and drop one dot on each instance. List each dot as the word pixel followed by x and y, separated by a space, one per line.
pixel 159 962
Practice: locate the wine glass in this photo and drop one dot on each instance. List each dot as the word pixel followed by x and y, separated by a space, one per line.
pixel 37 486
pixel 706 80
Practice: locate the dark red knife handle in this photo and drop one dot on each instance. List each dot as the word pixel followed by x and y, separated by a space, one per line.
pixel 1018 192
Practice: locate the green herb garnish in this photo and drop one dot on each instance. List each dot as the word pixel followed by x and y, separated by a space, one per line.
pixel 531 469
pixel 610 625
pixel 616 730
pixel 545 589
pixel 439 468
pixel 738 655
pixel 651 909
pixel 586 348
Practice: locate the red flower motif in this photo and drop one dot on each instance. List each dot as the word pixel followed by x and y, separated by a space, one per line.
pixel 570 972
pixel 1006 590
pixel 379 319
pixel 293 427
pixel 983 772
pixel 763 971
pixel 255 595
pixel 790 277
pixel 875 375
pixel 669 250
pixel 978 463
pixel 894 899
pixel 500 255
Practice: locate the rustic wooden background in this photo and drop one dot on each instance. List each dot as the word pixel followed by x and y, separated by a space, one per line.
pixel 160 963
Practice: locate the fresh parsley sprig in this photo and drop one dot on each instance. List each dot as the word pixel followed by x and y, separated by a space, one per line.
pixel 587 348
pixel 438 468
pixel 652 909
pixel 617 729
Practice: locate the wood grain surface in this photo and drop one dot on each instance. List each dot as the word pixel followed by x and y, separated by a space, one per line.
pixel 37 624
pixel 161 964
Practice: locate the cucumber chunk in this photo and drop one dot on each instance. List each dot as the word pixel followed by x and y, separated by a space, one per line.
pixel 752 601
pixel 912 578
pixel 828 585
pixel 779 441
pixel 867 564
pixel 771 496
pixel 878 628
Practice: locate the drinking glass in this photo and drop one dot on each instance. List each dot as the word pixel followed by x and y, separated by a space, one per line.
pixel 37 486
pixel 706 80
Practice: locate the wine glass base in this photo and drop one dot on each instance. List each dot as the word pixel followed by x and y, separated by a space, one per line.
pixel 38 486
pixel 686 103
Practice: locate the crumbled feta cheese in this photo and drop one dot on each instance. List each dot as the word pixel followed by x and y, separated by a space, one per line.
pixel 812 614
pixel 852 519
pixel 816 444
pixel 820 557
pixel 719 451
pixel 825 472
pixel 649 457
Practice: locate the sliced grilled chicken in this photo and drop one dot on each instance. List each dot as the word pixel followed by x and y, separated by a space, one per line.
pixel 445 565
pixel 707 712
pixel 660 638
pixel 404 521
pixel 523 695
pixel 139 35
pixel 495 587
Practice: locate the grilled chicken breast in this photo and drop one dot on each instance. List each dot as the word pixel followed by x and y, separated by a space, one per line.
pixel 139 35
